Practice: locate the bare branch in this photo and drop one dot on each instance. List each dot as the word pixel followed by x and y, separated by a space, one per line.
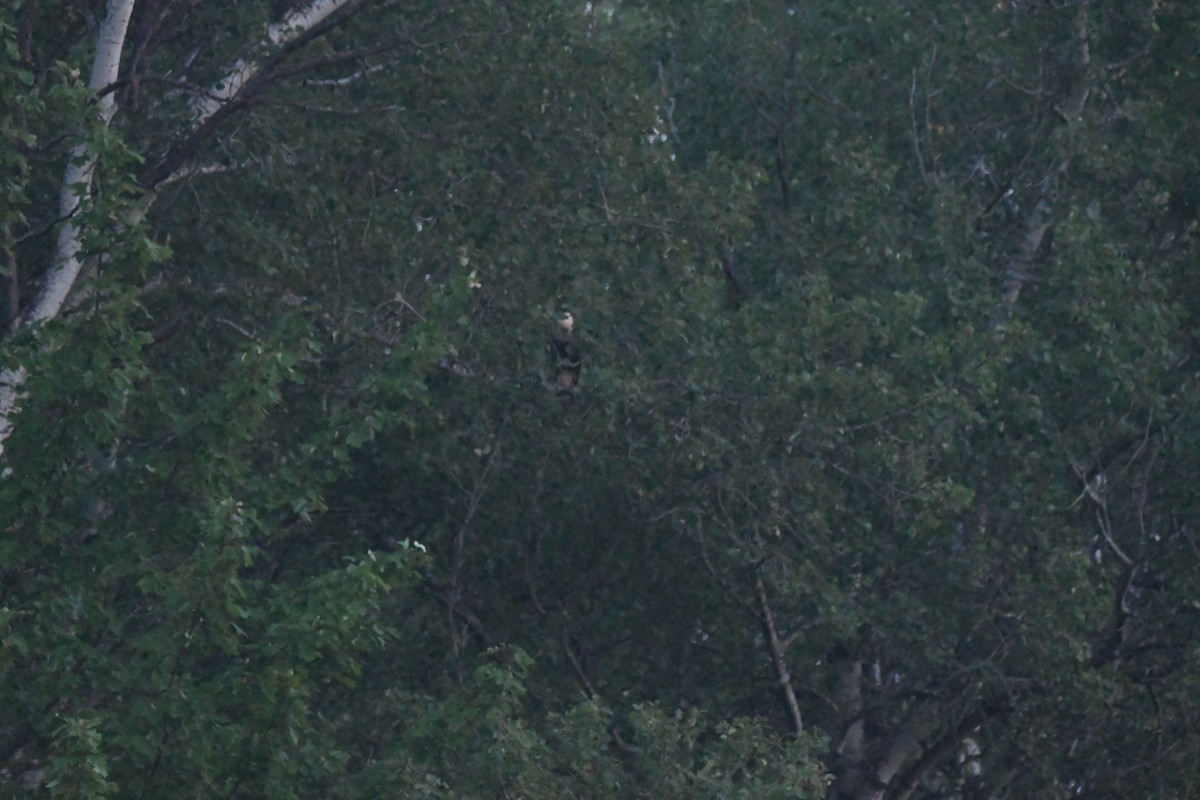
pixel 1019 271
pixel 583 678
pixel 292 27
pixel 243 83
pixel 778 658
pixel 345 112
pixel 451 596
pixel 231 324
pixel 246 81
pixel 199 170
pixel 912 117
pixel 351 78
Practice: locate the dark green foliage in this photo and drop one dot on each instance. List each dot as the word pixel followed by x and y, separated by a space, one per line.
pixel 515 391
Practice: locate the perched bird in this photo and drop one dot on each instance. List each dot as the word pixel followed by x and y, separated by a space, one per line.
pixel 570 360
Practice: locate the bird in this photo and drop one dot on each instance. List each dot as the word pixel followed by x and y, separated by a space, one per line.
pixel 569 359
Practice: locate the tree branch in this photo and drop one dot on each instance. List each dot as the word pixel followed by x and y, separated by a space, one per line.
pixel 245 80
pixel 910 779
pixel 906 740
pixel 778 658
pixel 1019 271
pixel 296 28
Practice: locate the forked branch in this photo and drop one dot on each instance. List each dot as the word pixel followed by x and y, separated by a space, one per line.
pixel 778 657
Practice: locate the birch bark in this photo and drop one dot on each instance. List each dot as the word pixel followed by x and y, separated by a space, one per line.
pixel 75 191
pixel 77 181
pixel 278 33
pixel 81 166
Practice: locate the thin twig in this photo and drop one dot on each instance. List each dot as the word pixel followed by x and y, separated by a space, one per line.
pixel 345 112
pixel 351 78
pixel 583 678
pixel 912 117
pixel 231 324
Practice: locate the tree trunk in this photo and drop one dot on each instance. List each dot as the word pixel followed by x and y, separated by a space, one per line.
pixel 76 188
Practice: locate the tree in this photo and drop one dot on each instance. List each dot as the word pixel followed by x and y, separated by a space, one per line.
pixel 878 324
pixel 182 607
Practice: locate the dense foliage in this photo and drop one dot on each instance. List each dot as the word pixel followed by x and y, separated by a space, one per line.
pixel 542 399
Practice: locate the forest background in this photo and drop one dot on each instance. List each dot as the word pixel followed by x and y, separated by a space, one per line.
pixel 542 399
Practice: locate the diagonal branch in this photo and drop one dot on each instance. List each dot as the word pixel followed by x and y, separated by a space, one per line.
pixel 778 658
pixel 907 740
pixel 295 29
pixel 909 780
pixel 1018 272
pixel 247 80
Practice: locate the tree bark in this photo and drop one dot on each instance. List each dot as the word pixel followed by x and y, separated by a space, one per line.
pixel 278 34
pixel 76 187
pixel 779 659
pixel 850 751
pixel 75 190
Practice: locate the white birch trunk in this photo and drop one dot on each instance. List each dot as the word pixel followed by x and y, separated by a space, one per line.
pixel 76 189
pixel 11 381
pixel 81 165
pixel 77 182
